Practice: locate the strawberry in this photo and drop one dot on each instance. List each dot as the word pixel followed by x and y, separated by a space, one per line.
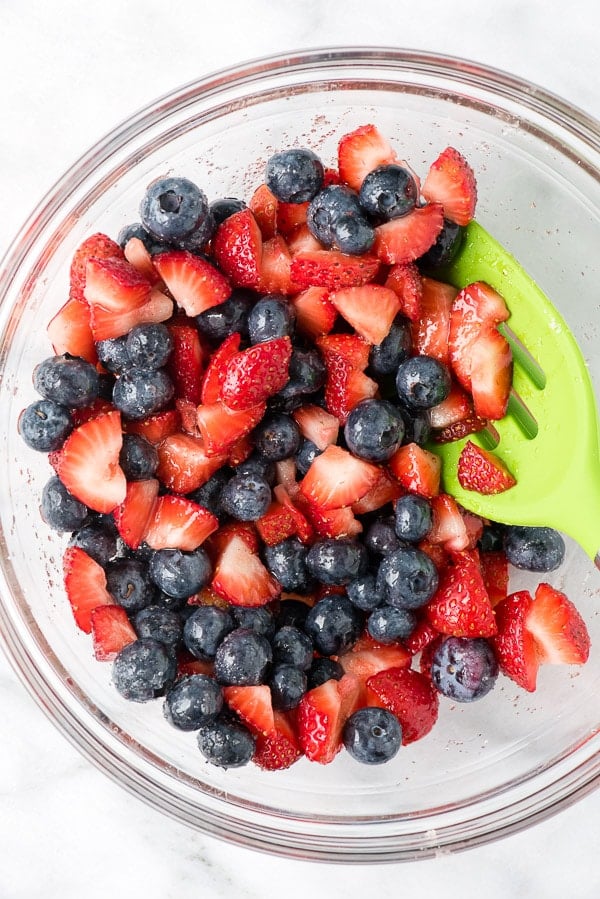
pixel 514 645
pixel 255 374
pixel 428 653
pixel 410 696
pixel 221 427
pixel 436 552
pixel 237 248
pixel 370 309
pixel 346 356
pixel 406 238
pixel 461 606
pixel 285 475
pixel 115 285
pixel 301 239
pixel 106 323
pixel 276 524
pixel 559 631
pixel 331 269
pixel 302 527
pixel 85 586
pixel 186 362
pixel 430 331
pixel 423 634
pixel 179 523
pixel 263 205
pixel 315 315
pixel 85 413
pixel 193 282
pixel 406 282
pixel 385 490
pixel 491 374
pixel 188 664
pixel 334 522
pixel 138 256
pixel 253 705
pixel 417 469
pixel 317 425
pixel 291 216
pixel 350 347
pixel 483 471
pixel 89 466
pixel 275 266
pixel 220 540
pixel 363 661
pixel 217 366
pixel 494 569
pixel 111 631
pixel 474 526
pixel 70 331
pixel 476 306
pixel 134 513
pixel 240 577
pixel 451 182
pixel 97 246
pixel 241 449
pixel 472 424
pixel 361 151
pixel 183 463
pixel 448 526
pixel 455 407
pixel 321 716
pixel 336 478
pixel 156 427
pixel 280 748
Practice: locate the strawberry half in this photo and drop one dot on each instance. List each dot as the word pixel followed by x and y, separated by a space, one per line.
pixel 70 331
pixel 275 267
pixel 221 427
pixel 217 366
pixel 385 490
pixel 107 323
pixel 406 238
pixel 317 425
pixel 448 525
pixel 255 374
pixel 179 523
pixel 134 513
pixel 483 471
pixel 315 315
pixel 115 285
pixel 410 696
pixel 276 524
pixel 331 269
pixel 417 469
pixel 97 246
pixel 321 716
pixel 263 205
pixel 361 151
pixel 370 309
pixel 491 374
pixel 461 606
pixel 334 522
pixel 451 183
pixel 111 631
pixel 237 248
pixel 476 307
pixel 559 631
pixel 183 463
pixel 193 282
pixel 455 407
pixel 240 577
pixel 253 705
pixel 369 657
pixel 514 645
pixel 430 331
pixel 186 362
pixel 85 586
pixel 494 568
pixel 156 427
pixel 279 749
pixel 336 478
pixel 136 253
pixel 346 356
pixel 405 280
pixel 88 463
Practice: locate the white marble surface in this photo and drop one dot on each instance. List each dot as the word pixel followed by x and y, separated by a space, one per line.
pixel 70 71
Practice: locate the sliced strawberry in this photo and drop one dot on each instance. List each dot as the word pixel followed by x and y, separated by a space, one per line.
pixel 448 525
pixel 345 355
pixel 474 525
pixel 317 425
pixel 491 374
pixel 188 664
pixel 115 285
pixel 263 205
pixel 455 407
pixel 183 463
pixel 330 176
pixel 240 577
pixel 106 324
pixel 241 449
pixel 220 540
pixel 494 569
pixel 111 631
pixel 279 749
pixel 321 716
pixel 276 524
pixel 189 417
pixel 315 315
pixel 350 347
pixel 255 374
pixel 335 522
pixel 428 653
pixel 436 552
pixel 221 427
pixel 285 475
pixel 331 269
pixel 98 246
pixel 138 256
pixel 291 216
pixel 514 645
pixel 406 238
pixel 156 427
pixel 361 151
pixel 365 661
pixel 472 424
pixel 301 240
pixel 461 606
pixel 89 466
pixel 85 413
pixel 70 331
pixel 483 471
pixel 275 267
pixel 302 527
pixel 451 182
pixel 406 282
pixel 417 469
pixel 410 696
pixel 430 331
pixel 134 513
pixel 194 283
pixel 560 633
pixel 370 309
pixel 475 307
pixel 179 523
pixel 85 586
pixel 237 248
pixel 253 705
pixel 186 362
pixel 215 372
pixel 336 478
pixel 423 634
pixel 385 490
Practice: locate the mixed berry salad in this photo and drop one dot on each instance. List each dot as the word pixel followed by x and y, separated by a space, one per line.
pixel 241 414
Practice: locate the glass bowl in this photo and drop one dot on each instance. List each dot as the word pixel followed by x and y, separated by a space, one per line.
pixel 488 768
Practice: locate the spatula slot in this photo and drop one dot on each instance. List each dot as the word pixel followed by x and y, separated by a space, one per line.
pixel 523 416
pixel 523 357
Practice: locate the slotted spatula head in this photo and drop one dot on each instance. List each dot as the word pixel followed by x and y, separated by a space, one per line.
pixel 558 468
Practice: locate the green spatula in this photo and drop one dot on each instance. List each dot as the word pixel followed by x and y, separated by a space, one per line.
pixel 549 438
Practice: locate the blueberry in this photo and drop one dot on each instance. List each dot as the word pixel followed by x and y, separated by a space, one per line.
pixel 492 538
pixel 372 735
pixel 385 357
pixel 129 584
pixel 227 318
pixel 292 612
pixel 138 457
pixel 407 578
pixel 322 670
pixel 136 229
pixel 140 392
pixel 389 624
pixel 381 537
pixel 258 466
pixel 67 380
pixel 417 426
pixel 176 210
pixel 98 541
pixel 333 624
pixel 222 208
pixel 464 669
pixel 294 175
pixel 271 317
pixel 287 562
pixel 149 345
pixel 209 494
pixel 277 437
pixel 106 385
pixel 144 670
pixel 193 701
pixel 259 619
pixel 306 455
pixel 180 574
pixel 336 218
pixel 339 561
pixel 534 549
pixel 246 497
pixel 205 629
pixel 306 370
pixel 113 354
pixel 445 248
pixel 353 234
pixel 59 508
pixel 288 685
pixel 388 192
pixel 414 518
pixel 45 425
pixel 292 646
pixel 242 658
pixel 363 592
pixel 225 743
pixel 422 382
pixel 374 430
pixel 174 603
pixel 159 623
